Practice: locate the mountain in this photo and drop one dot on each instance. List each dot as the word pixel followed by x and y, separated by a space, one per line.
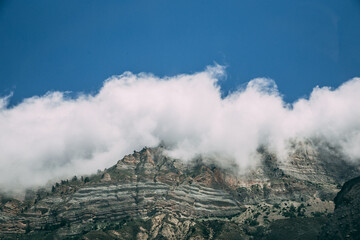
pixel 148 195
pixel 345 222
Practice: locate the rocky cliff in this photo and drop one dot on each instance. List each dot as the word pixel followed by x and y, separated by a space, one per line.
pixel 148 195
pixel 345 222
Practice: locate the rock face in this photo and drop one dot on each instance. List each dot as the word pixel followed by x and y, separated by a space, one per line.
pixel 345 222
pixel 148 195
pixel 106 177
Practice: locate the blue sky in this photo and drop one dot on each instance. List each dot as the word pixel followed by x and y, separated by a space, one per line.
pixel 67 45
pixel 75 45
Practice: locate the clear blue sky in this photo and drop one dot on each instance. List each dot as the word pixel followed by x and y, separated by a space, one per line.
pixel 75 45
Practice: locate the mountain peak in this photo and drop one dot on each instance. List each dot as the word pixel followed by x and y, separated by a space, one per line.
pixel 150 195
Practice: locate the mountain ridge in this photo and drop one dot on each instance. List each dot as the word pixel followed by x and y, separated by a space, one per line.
pixel 148 195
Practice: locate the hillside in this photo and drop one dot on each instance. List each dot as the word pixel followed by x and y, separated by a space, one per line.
pixel 148 195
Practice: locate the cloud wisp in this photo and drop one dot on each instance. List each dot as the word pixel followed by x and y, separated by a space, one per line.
pixel 55 136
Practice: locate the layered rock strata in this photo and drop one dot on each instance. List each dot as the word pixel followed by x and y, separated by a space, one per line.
pixel 148 195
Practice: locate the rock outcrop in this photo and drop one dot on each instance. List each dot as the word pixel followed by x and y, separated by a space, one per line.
pixel 345 222
pixel 148 195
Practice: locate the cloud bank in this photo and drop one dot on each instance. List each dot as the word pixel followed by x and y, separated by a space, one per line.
pixel 54 136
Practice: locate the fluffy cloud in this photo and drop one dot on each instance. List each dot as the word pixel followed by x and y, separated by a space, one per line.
pixel 55 136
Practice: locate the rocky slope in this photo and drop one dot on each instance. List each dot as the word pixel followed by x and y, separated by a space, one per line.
pixel 345 222
pixel 148 195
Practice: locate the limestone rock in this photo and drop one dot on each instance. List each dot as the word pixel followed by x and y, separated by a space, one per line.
pixel 106 177
pixel 148 195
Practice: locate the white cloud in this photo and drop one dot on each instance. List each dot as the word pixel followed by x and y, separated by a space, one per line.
pixel 54 136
